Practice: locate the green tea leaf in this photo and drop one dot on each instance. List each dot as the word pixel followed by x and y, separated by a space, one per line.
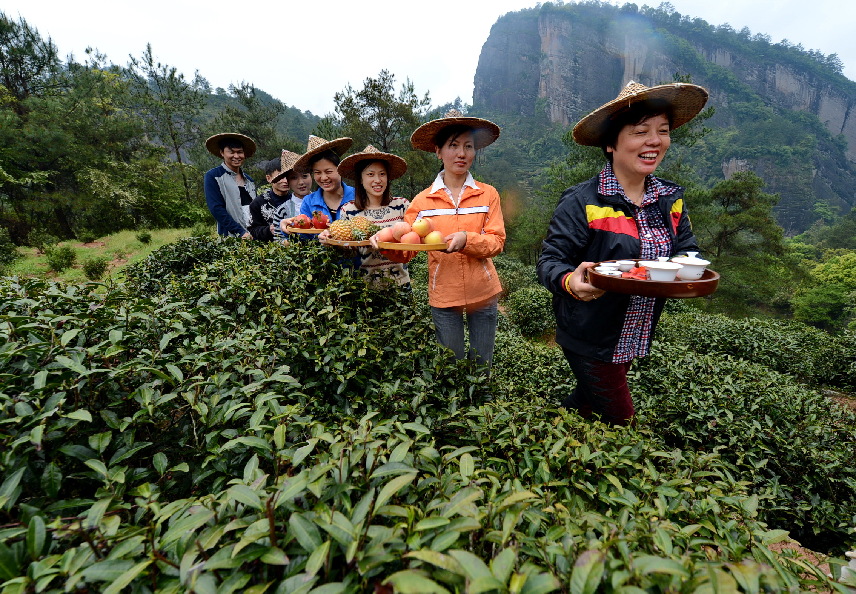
pixel 123 581
pixel 36 537
pixel 160 462
pixel 588 571
pixel 305 532
pixel 80 415
pixel 393 487
pixel 317 558
pixel 51 480
pixel 411 581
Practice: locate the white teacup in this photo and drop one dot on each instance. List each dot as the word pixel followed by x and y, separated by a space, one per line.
pixel 692 268
pixel 662 271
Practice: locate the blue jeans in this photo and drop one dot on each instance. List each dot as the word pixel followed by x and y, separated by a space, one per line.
pixel 481 324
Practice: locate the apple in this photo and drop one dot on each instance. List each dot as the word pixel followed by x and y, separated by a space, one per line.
pixel 399 229
pixel 434 237
pixel 385 235
pixel 423 227
pixel 412 237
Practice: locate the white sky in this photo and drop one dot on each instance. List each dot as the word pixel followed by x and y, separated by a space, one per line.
pixel 436 44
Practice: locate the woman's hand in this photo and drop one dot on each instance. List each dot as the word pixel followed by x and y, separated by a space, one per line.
pixel 456 241
pixel 324 236
pixel 286 223
pixel 584 290
pixel 373 240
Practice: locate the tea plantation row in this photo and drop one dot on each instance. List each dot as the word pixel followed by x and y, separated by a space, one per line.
pixel 254 418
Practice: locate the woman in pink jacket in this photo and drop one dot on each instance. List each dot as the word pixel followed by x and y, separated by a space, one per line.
pixel 462 282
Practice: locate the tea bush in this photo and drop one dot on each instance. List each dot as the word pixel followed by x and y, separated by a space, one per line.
pixel 144 237
pixel 514 274
pixel 783 438
pixel 245 417
pixel 531 310
pixel 60 257
pixel 94 268
pixel 789 347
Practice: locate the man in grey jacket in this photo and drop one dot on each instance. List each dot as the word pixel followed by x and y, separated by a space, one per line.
pixel 228 190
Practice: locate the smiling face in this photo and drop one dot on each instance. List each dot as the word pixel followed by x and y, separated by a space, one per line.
pixel 458 153
pixel 233 157
pixel 374 180
pixel 639 148
pixel 300 184
pixel 326 174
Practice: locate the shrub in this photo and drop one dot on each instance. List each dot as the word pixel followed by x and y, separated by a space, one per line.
pixel 201 229
pixel 94 268
pixel 41 240
pixel 173 260
pixel 531 310
pixel 60 257
pixel 8 250
pixel 807 353
pixel 514 274
pixel 530 370
pixel 794 447
pixel 87 236
pixel 144 237
pixel 265 420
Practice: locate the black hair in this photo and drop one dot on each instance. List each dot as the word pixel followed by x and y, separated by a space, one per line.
pixel 633 116
pixel 273 166
pixel 232 143
pixel 361 197
pixel 330 155
pixel 450 133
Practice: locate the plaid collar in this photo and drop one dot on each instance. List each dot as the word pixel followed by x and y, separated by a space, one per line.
pixel 608 185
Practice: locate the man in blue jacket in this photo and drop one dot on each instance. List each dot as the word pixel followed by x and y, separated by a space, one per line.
pixel 228 190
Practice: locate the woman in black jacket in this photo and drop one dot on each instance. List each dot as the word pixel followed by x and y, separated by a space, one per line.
pixel 624 212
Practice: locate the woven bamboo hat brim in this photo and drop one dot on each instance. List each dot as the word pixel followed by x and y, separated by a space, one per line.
pixel 686 101
pixel 213 143
pixel 317 145
pixel 485 132
pixel 286 164
pixel 395 165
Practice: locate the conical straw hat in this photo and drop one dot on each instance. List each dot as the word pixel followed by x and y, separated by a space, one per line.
pixel 286 163
pixel 213 143
pixel 686 101
pixel 485 132
pixel 396 166
pixel 317 145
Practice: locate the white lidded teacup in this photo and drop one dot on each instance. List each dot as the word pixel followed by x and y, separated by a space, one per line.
pixel 661 271
pixel 692 268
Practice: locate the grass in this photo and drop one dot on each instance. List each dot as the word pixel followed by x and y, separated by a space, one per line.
pixel 120 249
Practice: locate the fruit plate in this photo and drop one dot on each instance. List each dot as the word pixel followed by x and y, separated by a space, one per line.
pixel 312 231
pixel 676 289
pixel 347 244
pixel 412 247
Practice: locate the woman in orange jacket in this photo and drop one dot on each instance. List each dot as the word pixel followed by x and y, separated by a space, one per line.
pixel 462 281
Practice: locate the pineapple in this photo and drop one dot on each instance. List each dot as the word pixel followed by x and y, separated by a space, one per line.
pixel 360 234
pixel 342 230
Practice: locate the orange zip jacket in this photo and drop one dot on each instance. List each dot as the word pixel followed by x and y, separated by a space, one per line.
pixel 468 276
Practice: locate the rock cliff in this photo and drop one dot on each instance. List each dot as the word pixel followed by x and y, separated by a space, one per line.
pixel 564 61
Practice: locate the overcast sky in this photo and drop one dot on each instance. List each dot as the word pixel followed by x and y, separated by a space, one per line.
pixel 436 44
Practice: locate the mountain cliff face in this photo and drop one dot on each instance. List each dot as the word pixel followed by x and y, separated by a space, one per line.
pixel 564 61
